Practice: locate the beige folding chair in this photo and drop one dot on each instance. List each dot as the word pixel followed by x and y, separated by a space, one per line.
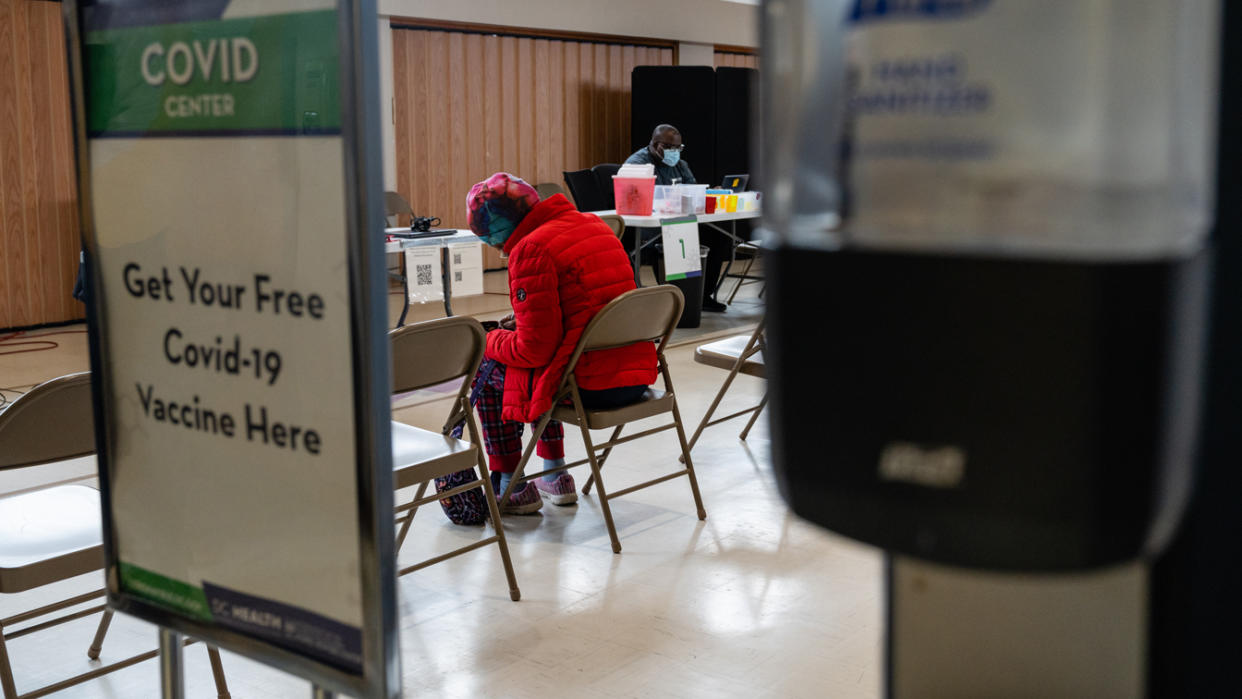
pixel 643 315
pixel 53 534
pixel 547 189
pixel 429 354
pixel 615 222
pixel 753 252
pixel 396 205
pixel 739 354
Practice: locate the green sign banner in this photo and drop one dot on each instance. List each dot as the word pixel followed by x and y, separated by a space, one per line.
pixel 269 75
pixel 183 597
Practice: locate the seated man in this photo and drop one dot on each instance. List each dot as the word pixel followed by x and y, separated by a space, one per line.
pixel 564 266
pixel 664 152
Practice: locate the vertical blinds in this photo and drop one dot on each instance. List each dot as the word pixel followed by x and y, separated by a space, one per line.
pixel 470 104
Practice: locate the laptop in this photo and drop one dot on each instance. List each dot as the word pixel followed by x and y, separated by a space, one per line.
pixel 735 182
pixel 433 233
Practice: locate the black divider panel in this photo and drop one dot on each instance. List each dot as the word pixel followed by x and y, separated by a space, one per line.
pixel 735 127
pixel 684 96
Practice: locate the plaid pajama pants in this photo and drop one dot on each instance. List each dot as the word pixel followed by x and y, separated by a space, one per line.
pixel 502 439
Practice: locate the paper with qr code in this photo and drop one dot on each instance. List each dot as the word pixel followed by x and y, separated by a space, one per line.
pixel 422 273
pixel 466 268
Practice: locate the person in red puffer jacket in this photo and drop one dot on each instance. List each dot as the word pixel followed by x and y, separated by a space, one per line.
pixel 564 266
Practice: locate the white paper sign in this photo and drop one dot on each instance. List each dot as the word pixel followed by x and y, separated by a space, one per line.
pixel 681 248
pixel 466 269
pixel 232 367
pixel 422 273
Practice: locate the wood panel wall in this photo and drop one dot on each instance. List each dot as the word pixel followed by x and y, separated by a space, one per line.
pixel 470 104
pixel 38 201
pixel 735 59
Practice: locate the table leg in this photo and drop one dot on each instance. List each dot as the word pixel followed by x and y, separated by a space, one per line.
pixel 447 282
pixel 405 297
pixel 732 257
pixel 638 254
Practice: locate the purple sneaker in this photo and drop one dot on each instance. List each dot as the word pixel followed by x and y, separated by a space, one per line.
pixel 560 491
pixel 524 500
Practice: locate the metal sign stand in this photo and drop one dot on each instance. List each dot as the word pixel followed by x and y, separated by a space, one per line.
pixel 172 665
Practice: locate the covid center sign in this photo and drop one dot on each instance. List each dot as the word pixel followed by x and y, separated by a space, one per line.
pixel 238 345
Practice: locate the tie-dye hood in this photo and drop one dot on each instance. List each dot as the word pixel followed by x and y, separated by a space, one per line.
pixel 497 205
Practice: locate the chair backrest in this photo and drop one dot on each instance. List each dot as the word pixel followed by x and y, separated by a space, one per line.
pixel 585 190
pixel 642 315
pixel 52 422
pixel 603 177
pixel 436 351
pixel 547 189
pixel 395 204
pixel 615 222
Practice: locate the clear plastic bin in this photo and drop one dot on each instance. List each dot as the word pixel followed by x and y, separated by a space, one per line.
pixel 698 195
pixel 667 200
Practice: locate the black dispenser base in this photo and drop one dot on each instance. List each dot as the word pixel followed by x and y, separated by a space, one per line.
pixel 999 413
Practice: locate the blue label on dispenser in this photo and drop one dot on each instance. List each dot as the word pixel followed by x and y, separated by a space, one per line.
pixel 867 10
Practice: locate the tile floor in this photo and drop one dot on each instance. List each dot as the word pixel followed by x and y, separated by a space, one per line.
pixel 752 602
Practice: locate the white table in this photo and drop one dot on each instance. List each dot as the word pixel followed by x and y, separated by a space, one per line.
pixel 713 220
pixel 656 220
pixel 441 241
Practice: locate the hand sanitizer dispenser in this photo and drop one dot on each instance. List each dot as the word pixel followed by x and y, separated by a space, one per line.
pixel 995 216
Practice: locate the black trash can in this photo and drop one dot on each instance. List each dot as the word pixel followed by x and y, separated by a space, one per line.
pixel 691 288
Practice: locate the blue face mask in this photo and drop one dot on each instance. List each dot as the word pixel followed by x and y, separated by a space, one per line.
pixel 672 157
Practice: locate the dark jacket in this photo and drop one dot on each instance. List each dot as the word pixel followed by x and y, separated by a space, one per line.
pixel 563 267
pixel 664 174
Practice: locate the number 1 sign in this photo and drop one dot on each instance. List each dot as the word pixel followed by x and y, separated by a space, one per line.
pixel 681 248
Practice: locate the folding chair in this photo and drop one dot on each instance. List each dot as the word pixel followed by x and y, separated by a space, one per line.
pixel 615 222
pixel 396 205
pixel 547 189
pixel 752 252
pixel 642 315
pixel 740 354
pixel 428 354
pixel 584 188
pixel 603 177
pixel 53 534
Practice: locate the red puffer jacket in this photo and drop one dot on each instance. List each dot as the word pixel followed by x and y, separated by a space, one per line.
pixel 563 267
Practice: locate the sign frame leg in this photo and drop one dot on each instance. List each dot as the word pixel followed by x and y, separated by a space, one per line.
pixel 172 665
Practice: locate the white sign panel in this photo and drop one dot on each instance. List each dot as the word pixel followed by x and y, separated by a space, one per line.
pixel 423 274
pixel 681 248
pixel 466 268
pixel 226 346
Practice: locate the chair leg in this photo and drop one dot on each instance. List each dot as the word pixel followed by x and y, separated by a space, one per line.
pixel 763 403
pixel 7 686
pixel 742 280
pixel 97 645
pixel 405 529
pixel 515 594
pixel 493 509
pixel 603 495
pixel 409 516
pixel 586 490
pixel 685 450
pixel 217 673
pixel 530 449
pixel 711 410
